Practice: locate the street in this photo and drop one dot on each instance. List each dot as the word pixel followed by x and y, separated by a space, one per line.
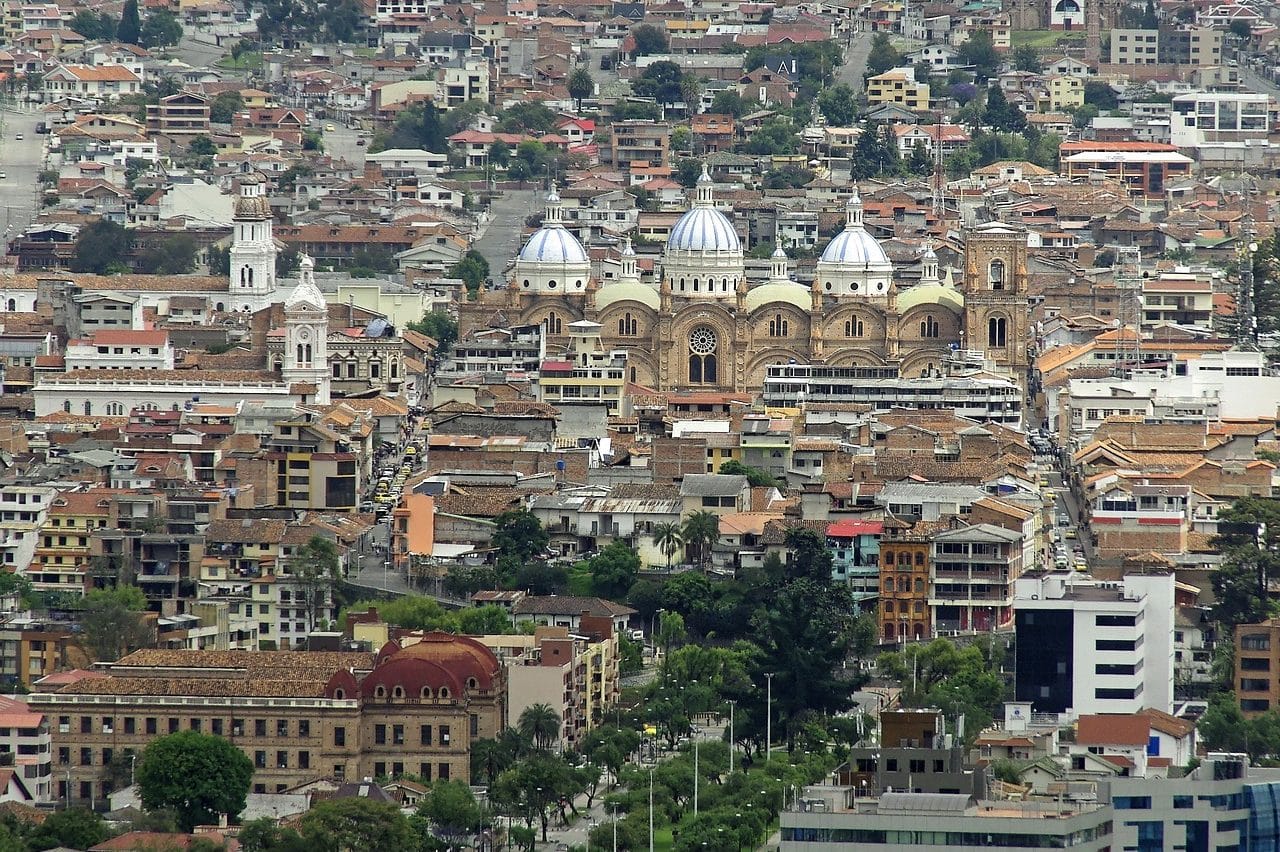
pixel 855 61
pixel 21 162
pixel 501 238
pixel 341 143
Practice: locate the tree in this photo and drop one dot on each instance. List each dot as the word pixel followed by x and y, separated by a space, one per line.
pixel 453 812
pixel 649 39
pixel 174 255
pixel 614 570
pixel 660 81
pixel 1027 58
pixel 197 776
pixel 113 624
pixel 101 247
pixel 690 93
pixel 882 56
pixel 532 117
pixel 755 476
pixel 439 326
pixel 1084 115
pixel 980 54
pixel 668 537
pixel 920 163
pixel 1101 95
pixel 337 825
pixel 1248 538
pixel 531 788
pixel 1240 28
pixel 776 136
pixel 1002 115
pixel 473 269
pixel 581 86
pixel 838 106
pixel 263 835
pixel 75 828
pixel 541 724
pixel 730 102
pixel 130 29
pixel 225 106
pixel 318 568
pixel 701 530
pixel 958 680
pixel 519 535
pixel 161 29
pixel 873 154
pixel 94 26
pixel 671 630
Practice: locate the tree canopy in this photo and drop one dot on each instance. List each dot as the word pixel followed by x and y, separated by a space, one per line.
pixel 197 776
pixel 439 326
pixel 101 248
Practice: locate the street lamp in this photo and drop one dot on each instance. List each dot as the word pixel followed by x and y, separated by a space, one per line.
pixel 768 720
pixel 695 776
pixel 650 807
pixel 732 702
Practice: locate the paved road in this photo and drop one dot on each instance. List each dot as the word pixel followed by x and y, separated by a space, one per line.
pixel 855 61
pixel 501 238
pixel 341 142
pixel 21 163
pixel 196 49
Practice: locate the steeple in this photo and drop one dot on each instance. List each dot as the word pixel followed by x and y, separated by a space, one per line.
pixel 306 349
pixel 928 264
pixel 555 212
pixel 253 248
pixel 630 268
pixel 778 267
pixel 853 211
pixel 704 193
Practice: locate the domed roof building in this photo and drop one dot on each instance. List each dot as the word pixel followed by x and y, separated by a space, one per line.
pixel 697 323
pixel 553 261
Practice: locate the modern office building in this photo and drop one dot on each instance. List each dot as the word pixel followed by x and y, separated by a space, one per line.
pixel 1257 663
pixel 1087 646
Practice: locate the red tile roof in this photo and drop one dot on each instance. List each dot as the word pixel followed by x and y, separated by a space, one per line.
pixel 1113 729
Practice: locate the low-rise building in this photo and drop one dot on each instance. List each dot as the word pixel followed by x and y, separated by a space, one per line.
pixel 898 86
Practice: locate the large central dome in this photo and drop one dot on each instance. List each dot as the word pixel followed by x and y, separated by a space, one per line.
pixel 553 243
pixel 704 228
pixel 854 246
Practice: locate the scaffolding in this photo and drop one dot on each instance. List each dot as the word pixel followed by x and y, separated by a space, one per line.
pixel 1127 275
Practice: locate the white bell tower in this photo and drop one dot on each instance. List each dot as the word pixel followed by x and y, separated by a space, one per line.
pixel 253 248
pixel 306 349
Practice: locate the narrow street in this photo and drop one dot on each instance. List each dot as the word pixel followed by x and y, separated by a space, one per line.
pixel 855 61
pixel 501 238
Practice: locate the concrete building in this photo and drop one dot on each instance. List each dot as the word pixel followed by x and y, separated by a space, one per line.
pixel 22 512
pixel 515 349
pixel 295 714
pixel 112 349
pixel 1135 47
pixel 972 574
pixel 898 86
pixel 915 754
pixel 1257 664
pixel 1087 646
pixel 1201 118
pixel 587 374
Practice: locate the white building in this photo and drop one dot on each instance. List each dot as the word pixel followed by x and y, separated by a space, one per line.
pixel 22 511
pixel 306 350
pixel 121 350
pixel 106 82
pixel 114 393
pixel 253 249
pixel 1087 646
pixel 1201 118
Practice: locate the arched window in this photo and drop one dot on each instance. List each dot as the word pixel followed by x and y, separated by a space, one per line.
pixel 114 409
pixel 250 276
pixel 339 693
pixel 444 692
pixel 995 274
pixel 306 352
pixel 724 283
pixel 299 354
pixel 697 285
pixel 395 369
pixel 853 327
pixel 472 683
pixel 778 326
pixel 627 325
pixel 888 631
pixel 380 692
pixel 888 584
pixel 888 607
pixel 397 691
pixel 904 585
pixel 929 327
pixel 13 304
pixel 220 307
pixel 920 557
pixel 553 323
pixel 681 285
pixel 426 692
pixel 526 283
pixel 997 331
pixel 702 357
pixel 577 285
pixel 66 406
pixel 375 369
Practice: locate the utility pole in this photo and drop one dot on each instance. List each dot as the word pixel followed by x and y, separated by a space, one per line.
pixel 650 809
pixel 695 775
pixel 768 721
pixel 731 706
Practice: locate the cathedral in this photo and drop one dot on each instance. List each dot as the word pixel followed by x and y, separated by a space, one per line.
pixel 700 326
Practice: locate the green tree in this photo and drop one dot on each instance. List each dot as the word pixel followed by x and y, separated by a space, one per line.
pixel 197 776
pixel 838 106
pixel 225 106
pixel 94 26
pixel 701 530
pixel 1241 29
pixel 175 255
pixel 541 724
pixel 113 624
pixel 690 93
pixel 520 536
pixel 1249 541
pixel 979 54
pixel 614 570
pixel 439 326
pixel 1002 115
pixel 453 812
pixel 874 154
pixel 1100 94
pixel 755 476
pixel 882 56
pixel 920 163
pixel 1084 115
pixel 534 786
pixel 1026 57
pixel 130 29
pixel 161 29
pixel 489 759
pixel 76 828
pixel 263 835
pixel 660 81
pixel 669 538
pixel 580 85
pixel 472 269
pixel 671 630
pixel 649 39
pixel 318 568
pixel 776 136
pixel 339 825
pixel 530 117
pixel 101 247
pixel 957 680
pixel 730 102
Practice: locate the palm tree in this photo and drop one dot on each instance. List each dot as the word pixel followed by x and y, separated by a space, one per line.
pixel 489 759
pixel 701 530
pixel 540 723
pixel 669 539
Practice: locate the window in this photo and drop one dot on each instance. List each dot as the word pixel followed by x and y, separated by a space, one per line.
pixel 426 735
pixel 997 329
pixel 86 756
pixel 1132 803
pixel 1115 620
pixel 130 724
pixel 397 734
pixel 259 727
pixel 553 321
pixel 424 771
pixel 1255 642
pixel 380 769
pixel 702 357
pixel 86 724
pixel 215 727
pixel 339 736
pixel 1183 802
pixel 444 735
pixel 260 759
pixel 282 759
pixel 929 327
pixel 304 760
pixel 779 327
pixel 173 726
pixel 304 727
pixel 380 735
pixel 627 326
pixel 443 774
pixel 995 274
pixel 151 725
pixel 853 327
pixel 282 727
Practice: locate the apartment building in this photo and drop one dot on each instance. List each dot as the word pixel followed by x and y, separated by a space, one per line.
pixel 1135 47
pixel 1086 646
pixel 586 374
pixel 112 349
pixel 898 86
pixel 1201 118
pixel 973 571
pixel 32 648
pixel 904 580
pixel 645 143
pixel 26 748
pixel 855 552
pixel 182 114
pixel 1257 673
pixel 295 714
pixel 315 465
pixel 63 552
pixel 22 513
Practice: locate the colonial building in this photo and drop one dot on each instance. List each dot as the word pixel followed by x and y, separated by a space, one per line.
pixel 698 324
pixel 296 714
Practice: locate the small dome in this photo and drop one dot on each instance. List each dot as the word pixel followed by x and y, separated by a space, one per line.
pixel 553 244
pixel 931 294
pixel 306 294
pixel 704 229
pixel 625 291
pixel 767 294
pixel 854 246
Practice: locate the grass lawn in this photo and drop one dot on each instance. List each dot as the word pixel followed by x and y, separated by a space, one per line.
pixel 662 839
pixel 247 61
pixel 1044 39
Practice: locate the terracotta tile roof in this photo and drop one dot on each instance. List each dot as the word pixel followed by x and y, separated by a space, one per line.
pixel 244 531
pixel 1113 729
pixel 1166 723
pixel 569 605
